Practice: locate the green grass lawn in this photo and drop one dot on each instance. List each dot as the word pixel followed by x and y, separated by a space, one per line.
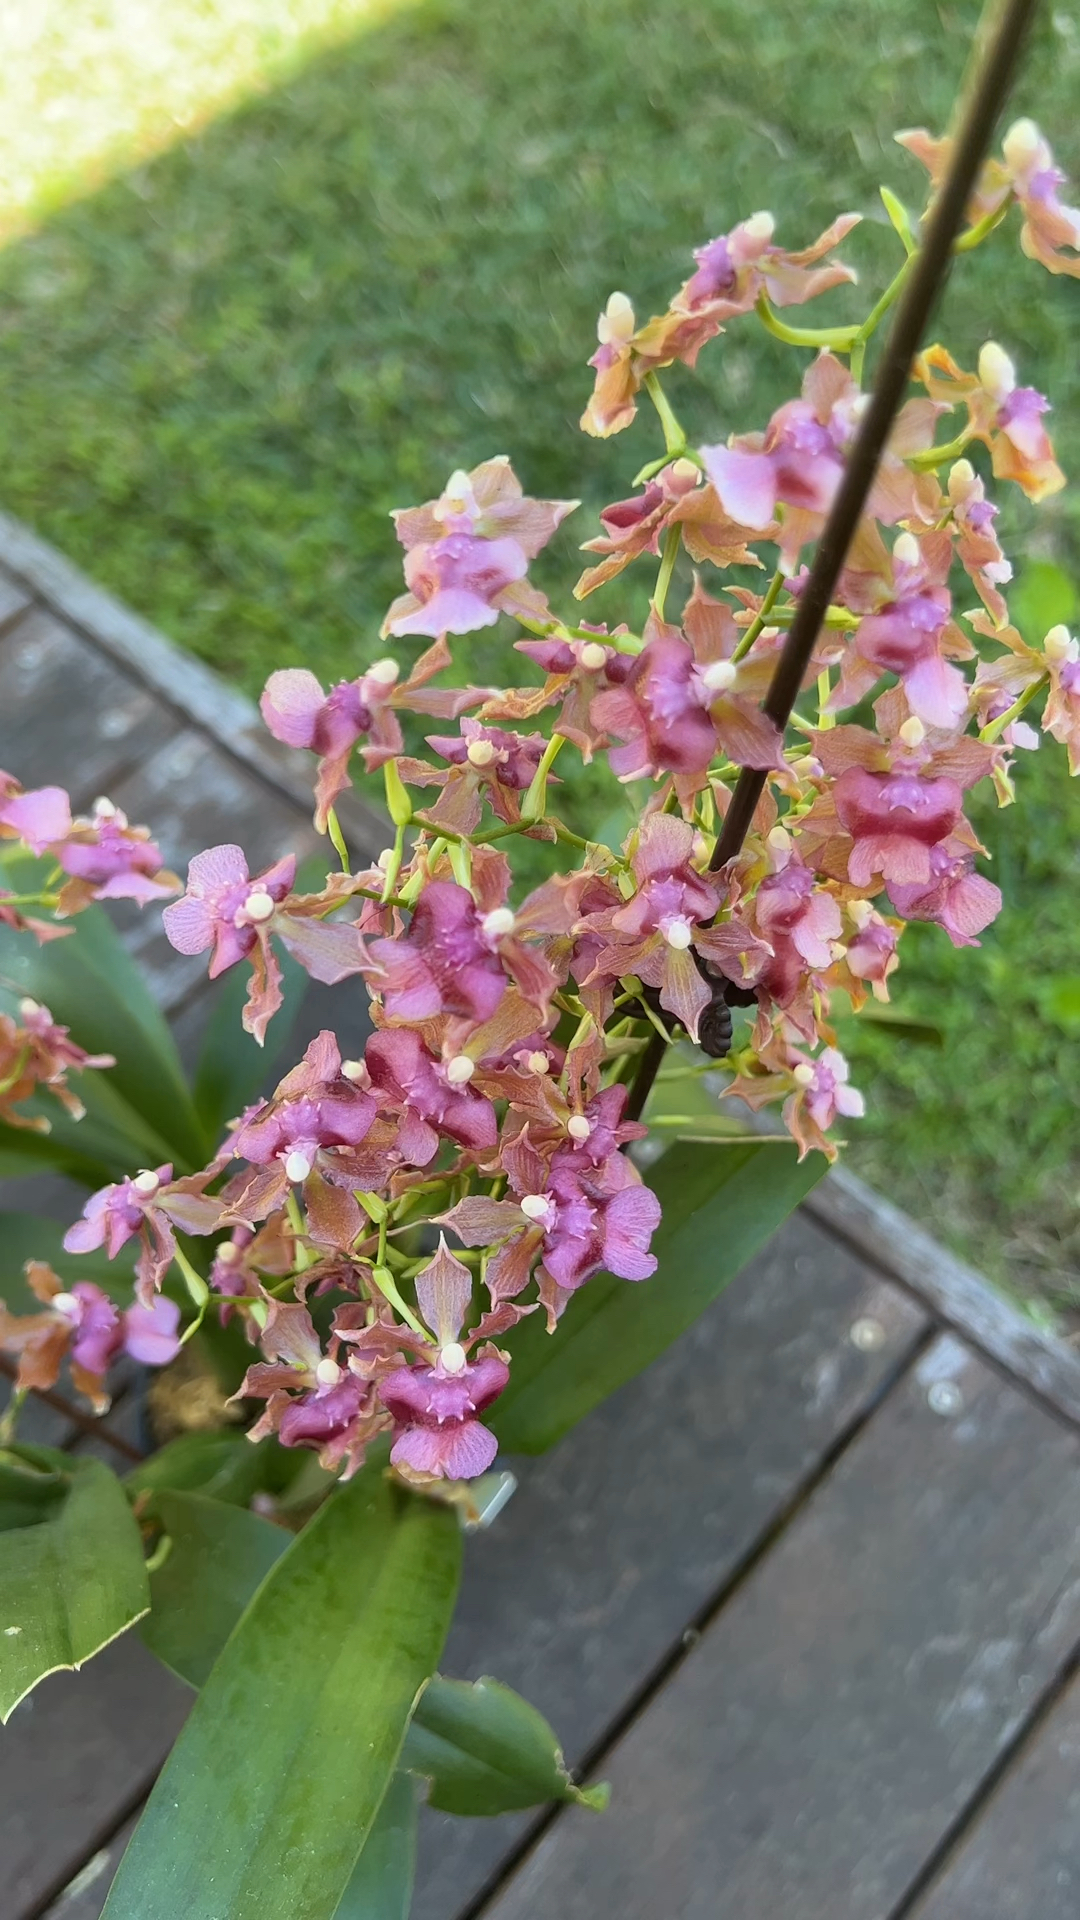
pixel 222 370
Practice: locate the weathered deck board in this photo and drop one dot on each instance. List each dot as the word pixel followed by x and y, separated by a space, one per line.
pixel 1021 1860
pixel 67 715
pixel 80 1751
pixel 820 1740
pixel 616 1541
pixel 85 1895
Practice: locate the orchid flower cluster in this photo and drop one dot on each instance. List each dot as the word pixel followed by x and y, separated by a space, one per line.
pixel 493 1104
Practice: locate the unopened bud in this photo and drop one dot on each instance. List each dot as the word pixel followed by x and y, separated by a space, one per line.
pixel 356 1070
pixel 1022 145
pixel 67 1304
pixel 498 922
pixel 328 1373
pixel 678 935
pixel 616 323
pixel 906 550
pixel 961 480
pixel 28 1009
pixel 297 1166
pixel 684 473
pixel 1058 643
pixel 228 1253
pixel 146 1182
pixel 538 1063
pixel 760 226
pixel 384 673
pixel 452 1357
pixel 593 656
pixel 480 753
pixel 258 906
pixel 996 371
pixel 535 1206
pixel 720 675
pixel 803 1074
pixel 578 1127
pixel 913 733
pixel 460 1070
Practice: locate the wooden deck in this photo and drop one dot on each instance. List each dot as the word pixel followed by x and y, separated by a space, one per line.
pixel 808 1593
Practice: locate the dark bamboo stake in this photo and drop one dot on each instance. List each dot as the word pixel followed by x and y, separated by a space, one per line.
pixel 983 105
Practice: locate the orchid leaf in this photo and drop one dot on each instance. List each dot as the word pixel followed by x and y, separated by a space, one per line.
pixel 91 984
pixel 224 1465
pixel 216 1558
pixel 721 1201
pixel 483 1750
pixel 382 1879
pixel 73 1582
pixel 275 1783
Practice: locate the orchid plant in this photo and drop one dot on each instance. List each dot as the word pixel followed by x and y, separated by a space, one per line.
pixel 394 1242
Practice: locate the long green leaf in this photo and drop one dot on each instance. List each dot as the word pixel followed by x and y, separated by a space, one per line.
pixel 217 1557
pixel 483 1750
pixel 92 985
pixel 720 1204
pixel 276 1780
pixel 71 1584
pixel 222 1466
pixel 382 1879
pixel 32 1236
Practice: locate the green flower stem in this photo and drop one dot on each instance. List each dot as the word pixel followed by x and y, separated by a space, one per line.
pixel 652 467
pixel 534 805
pixel 876 315
pixel 975 235
pixel 672 541
pixel 674 436
pixel 996 728
pixel 937 456
pixel 10 1415
pixel 840 339
pixel 393 866
pixel 761 618
pixel 385 1282
pixel 304 1257
pixel 337 839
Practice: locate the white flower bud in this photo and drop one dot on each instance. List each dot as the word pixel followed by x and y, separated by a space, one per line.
pixel 29 1008
pixel 460 1070
pixel 616 323
pixel 480 753
pixel 385 858
pixel 913 733
pixel 146 1182
pixel 760 226
pixel 1022 146
pixel 720 675
pixel 996 371
pixel 103 808
pixel 453 1357
pixel 384 673
pixel 297 1166
pixel 538 1063
pixel 228 1253
pixel 593 656
pixel 860 913
pixel 803 1074
pixel 67 1305
pixel 779 839
pixel 684 472
pixel 1058 644
pixel 578 1127
pixel 356 1071
pixel 535 1206
pixel 961 480
pixel 678 935
pixel 457 495
pixel 328 1373
pixel 258 907
pixel 498 922
pixel 906 550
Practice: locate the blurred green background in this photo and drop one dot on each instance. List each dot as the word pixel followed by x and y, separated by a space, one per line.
pixel 223 368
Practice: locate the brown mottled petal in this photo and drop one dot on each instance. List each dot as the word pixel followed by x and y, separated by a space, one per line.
pixel 477 1221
